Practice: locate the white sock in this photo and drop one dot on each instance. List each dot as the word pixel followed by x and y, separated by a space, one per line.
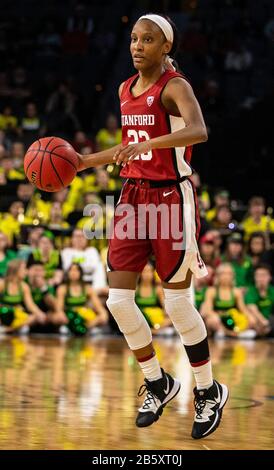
pixel 203 376
pixel 151 369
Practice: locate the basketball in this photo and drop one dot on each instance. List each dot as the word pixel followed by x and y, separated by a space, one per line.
pixel 50 164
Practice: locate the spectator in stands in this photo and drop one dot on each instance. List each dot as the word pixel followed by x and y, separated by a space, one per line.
pixel 8 122
pixel 15 296
pixel 150 299
pixel 24 193
pixel 6 254
pixel 241 263
pixel 109 136
pixel 34 235
pixel 50 257
pixel 224 310
pixel 17 154
pixel 81 141
pixel 11 221
pixel 207 250
pixel 11 173
pixel 89 260
pixel 223 220
pixel 56 218
pixel 5 142
pixel 260 300
pixel 256 248
pixel 31 124
pixel 80 303
pixel 256 221
pixel 43 295
pixel 221 198
pixel 217 240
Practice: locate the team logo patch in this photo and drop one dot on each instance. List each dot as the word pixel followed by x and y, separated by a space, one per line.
pixel 150 100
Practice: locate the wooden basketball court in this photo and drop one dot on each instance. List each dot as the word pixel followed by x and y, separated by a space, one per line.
pixel 82 394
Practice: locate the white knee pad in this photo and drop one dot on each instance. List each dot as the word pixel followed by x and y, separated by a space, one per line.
pixel 129 318
pixel 184 316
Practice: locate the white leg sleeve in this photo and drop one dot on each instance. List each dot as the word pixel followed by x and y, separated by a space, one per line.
pixel 129 318
pixel 184 316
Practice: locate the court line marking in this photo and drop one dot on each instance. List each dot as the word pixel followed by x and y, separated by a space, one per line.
pixel 207 448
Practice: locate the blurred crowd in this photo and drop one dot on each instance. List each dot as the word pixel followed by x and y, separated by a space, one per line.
pixel 59 78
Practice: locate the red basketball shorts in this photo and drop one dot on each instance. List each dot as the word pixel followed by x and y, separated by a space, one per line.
pixel 161 221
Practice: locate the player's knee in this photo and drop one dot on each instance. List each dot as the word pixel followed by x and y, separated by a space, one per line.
pixel 121 305
pixel 184 315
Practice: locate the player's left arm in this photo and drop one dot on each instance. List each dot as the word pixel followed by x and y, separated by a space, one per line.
pixel 177 94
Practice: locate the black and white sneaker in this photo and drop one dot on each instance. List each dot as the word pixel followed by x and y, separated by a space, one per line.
pixel 208 405
pixel 158 394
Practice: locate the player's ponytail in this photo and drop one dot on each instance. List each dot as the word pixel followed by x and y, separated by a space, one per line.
pixel 175 44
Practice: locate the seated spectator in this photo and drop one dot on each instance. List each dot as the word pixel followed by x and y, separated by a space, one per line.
pixel 11 221
pixel 11 173
pixel 6 255
pixel 50 257
pixel 80 303
pixel 110 135
pixel 81 141
pixel 256 248
pixel 150 299
pixel 30 124
pixel 217 241
pixel 260 300
pixel 44 297
pixel 24 193
pixel 222 220
pixel 224 310
pixel 8 122
pixel 207 250
pixel 221 198
pixel 56 218
pixel 89 260
pixel 241 264
pixel 256 221
pixel 15 297
pixel 17 154
pixel 32 242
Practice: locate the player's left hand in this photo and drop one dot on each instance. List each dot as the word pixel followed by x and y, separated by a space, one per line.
pixel 127 154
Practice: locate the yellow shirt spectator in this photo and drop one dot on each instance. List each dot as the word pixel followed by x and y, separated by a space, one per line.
pixel 250 226
pixel 109 136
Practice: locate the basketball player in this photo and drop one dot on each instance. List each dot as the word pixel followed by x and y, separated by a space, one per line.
pixel 161 120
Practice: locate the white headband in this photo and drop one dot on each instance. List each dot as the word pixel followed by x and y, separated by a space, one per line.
pixel 163 24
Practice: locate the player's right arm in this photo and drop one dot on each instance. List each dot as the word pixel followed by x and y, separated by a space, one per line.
pixel 100 158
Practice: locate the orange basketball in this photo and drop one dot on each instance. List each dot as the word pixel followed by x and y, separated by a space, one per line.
pixel 51 164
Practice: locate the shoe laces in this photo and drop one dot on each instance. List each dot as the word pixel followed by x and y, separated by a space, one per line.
pixel 150 397
pixel 199 404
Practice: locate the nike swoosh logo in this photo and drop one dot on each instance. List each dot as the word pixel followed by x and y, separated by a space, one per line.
pixel 124 102
pixel 166 194
pixel 166 390
pixel 218 398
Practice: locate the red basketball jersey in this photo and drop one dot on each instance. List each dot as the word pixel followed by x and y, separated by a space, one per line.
pixel 143 118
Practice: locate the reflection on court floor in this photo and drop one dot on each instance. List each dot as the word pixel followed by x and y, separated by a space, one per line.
pixel 82 394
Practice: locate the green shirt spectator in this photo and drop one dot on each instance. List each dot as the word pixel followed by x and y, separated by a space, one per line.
pixel 264 302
